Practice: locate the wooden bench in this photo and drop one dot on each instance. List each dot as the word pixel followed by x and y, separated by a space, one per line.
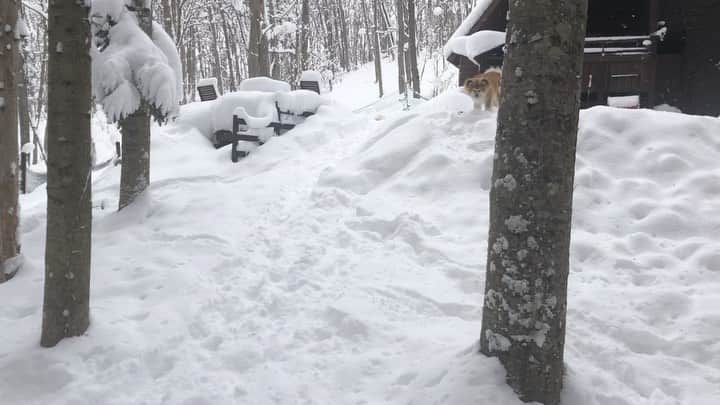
pixel 240 132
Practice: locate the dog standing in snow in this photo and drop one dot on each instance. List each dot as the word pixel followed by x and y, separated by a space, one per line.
pixel 484 88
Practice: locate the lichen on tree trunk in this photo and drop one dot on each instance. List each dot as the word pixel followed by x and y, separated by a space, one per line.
pixel 531 198
pixel 66 310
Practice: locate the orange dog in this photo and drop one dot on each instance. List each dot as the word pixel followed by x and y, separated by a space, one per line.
pixel 484 88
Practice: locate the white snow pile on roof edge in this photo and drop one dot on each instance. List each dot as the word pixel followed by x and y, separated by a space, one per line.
pixel 472 18
pixel 473 45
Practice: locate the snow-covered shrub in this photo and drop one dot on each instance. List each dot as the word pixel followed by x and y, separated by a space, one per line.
pixel 128 66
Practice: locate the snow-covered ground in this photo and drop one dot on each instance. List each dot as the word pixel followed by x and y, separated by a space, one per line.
pixel 343 263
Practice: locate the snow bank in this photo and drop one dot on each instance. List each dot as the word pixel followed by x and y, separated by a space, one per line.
pixel 265 84
pixel 197 115
pixel 343 263
pixel 253 103
pixel 300 101
pixel 645 264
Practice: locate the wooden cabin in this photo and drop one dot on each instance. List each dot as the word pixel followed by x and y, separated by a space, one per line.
pixel 665 51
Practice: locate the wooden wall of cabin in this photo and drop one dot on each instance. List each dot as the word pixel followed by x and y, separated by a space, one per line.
pixel 688 64
pixel 702 57
pixel 688 75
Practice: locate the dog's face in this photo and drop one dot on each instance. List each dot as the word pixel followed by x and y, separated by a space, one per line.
pixel 476 86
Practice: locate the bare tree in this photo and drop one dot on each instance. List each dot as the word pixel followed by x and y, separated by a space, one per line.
pixel 531 199
pixel 412 49
pixel 22 94
pixel 376 48
pixel 401 41
pixel 303 35
pixel 217 65
pixel 66 310
pixel 9 243
pixel 258 59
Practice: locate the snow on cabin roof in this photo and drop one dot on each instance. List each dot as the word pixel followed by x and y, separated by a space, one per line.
pixel 472 45
pixel 467 24
pixel 472 18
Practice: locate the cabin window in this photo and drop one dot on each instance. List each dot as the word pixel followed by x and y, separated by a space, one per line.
pixel 618 18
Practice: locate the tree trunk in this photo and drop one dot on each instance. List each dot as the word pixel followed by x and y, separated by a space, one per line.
pixel 9 243
pixel 258 61
pixel 412 48
pixel 167 19
pixel 303 36
pixel 22 99
pixel 69 189
pixel 228 51
pixel 217 65
pixel 401 46
pixel 376 50
pixel 135 129
pixel 342 24
pixel 274 57
pixel 531 199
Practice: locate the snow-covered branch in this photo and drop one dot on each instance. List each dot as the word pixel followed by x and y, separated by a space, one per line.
pixel 128 66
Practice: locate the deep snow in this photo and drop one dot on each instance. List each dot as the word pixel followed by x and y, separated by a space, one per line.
pixel 343 263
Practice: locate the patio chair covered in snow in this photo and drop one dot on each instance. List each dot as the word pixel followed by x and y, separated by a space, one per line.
pixel 208 89
pixel 310 80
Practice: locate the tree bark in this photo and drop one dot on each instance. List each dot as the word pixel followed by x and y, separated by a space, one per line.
pixel 303 36
pixel 69 189
pixel 376 50
pixel 401 40
pixel 531 199
pixel 22 99
pixel 135 130
pixel 228 51
pixel 167 18
pixel 41 103
pixel 217 65
pixel 9 243
pixel 412 49
pixel 258 60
